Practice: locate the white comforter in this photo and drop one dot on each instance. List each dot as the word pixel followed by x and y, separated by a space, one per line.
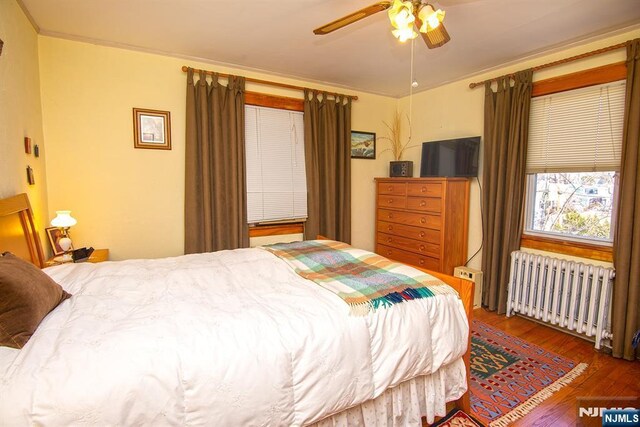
pixel 231 338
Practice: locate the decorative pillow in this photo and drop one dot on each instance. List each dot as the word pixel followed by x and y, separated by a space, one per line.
pixel 27 295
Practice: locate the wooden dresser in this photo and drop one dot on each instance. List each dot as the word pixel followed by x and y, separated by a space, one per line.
pixel 423 221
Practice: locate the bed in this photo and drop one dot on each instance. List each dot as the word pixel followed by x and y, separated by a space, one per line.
pixel 226 338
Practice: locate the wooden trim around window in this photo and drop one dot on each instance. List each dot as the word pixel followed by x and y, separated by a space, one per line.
pixel 283 103
pixel 273 101
pixel 578 249
pixel 276 229
pixel 591 77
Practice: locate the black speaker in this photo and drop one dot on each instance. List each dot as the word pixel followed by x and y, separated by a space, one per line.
pixel 402 168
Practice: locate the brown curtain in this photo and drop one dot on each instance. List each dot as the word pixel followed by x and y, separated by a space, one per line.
pixel 626 245
pixel 327 136
pixel 506 129
pixel 215 189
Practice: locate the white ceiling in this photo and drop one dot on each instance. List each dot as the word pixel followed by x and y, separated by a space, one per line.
pixel 276 35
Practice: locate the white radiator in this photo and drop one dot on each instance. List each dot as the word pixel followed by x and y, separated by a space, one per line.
pixel 568 294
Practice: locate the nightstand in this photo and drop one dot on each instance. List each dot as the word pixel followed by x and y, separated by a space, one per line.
pixel 98 255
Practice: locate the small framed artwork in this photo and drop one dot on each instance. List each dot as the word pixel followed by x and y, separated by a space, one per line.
pixel 363 145
pixel 151 129
pixel 27 145
pixel 31 179
pixel 54 234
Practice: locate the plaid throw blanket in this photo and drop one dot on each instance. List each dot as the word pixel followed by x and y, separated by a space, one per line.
pixel 364 280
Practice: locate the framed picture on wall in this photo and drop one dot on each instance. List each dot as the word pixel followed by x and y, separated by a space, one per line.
pixel 363 145
pixel 151 129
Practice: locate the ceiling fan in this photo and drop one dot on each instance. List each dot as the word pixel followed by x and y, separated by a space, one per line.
pixel 406 17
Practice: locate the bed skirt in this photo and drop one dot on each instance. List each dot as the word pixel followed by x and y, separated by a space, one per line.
pixel 405 404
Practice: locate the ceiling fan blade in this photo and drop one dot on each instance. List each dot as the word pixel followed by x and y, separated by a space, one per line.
pixel 353 17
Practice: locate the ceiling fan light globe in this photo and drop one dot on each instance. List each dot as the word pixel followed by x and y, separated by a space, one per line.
pixel 394 10
pixel 404 34
pixel 404 19
pixel 425 11
pixel 433 21
pixel 430 19
pixel 400 14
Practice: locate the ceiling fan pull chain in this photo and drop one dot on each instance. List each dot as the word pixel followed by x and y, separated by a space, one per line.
pixel 413 41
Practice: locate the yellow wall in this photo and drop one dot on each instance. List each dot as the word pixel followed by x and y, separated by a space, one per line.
pixel 130 200
pixel 20 110
pixel 455 110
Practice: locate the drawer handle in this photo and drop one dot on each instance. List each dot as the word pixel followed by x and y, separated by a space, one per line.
pixel 389 239
pixel 422 234
pixel 423 203
pixel 390 201
pixel 390 227
pixel 423 220
pixel 389 253
pixel 422 248
pixel 390 215
pixel 421 261
pixel 423 189
pixel 390 188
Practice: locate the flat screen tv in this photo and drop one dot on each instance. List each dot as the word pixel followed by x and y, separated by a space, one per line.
pixel 450 158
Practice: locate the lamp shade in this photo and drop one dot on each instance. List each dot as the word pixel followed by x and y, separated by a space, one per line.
pixel 63 219
pixel 402 19
pixel 430 18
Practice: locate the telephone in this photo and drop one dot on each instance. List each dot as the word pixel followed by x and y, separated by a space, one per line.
pixel 82 254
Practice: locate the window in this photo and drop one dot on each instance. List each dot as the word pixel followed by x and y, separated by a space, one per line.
pixel 575 140
pixel 276 180
pixel 578 204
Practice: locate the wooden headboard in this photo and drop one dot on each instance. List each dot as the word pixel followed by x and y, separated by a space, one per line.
pixel 18 232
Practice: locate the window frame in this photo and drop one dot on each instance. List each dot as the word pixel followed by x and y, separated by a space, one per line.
pixel 284 227
pixel 585 248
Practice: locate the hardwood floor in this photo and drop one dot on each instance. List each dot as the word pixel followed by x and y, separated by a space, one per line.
pixel 605 375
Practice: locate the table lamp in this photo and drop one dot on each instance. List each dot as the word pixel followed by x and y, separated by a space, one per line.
pixel 64 221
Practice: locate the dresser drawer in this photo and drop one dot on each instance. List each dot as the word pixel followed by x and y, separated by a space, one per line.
pixel 407 244
pixel 410 218
pixel 389 201
pixel 418 233
pixel 422 261
pixel 394 188
pixel 427 189
pixel 427 204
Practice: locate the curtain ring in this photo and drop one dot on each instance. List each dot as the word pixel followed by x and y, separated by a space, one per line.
pixel 203 78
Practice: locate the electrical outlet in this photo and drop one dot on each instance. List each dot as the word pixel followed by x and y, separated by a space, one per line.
pixel 473 276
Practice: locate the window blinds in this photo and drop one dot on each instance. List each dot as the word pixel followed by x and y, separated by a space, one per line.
pixel 276 180
pixel 578 130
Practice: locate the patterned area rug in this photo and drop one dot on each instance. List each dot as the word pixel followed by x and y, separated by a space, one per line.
pixel 510 376
pixel 457 418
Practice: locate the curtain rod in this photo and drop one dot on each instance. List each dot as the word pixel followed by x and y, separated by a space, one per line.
pixel 263 82
pixel 558 62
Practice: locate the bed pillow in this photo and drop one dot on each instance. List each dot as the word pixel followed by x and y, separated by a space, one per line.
pixel 27 295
